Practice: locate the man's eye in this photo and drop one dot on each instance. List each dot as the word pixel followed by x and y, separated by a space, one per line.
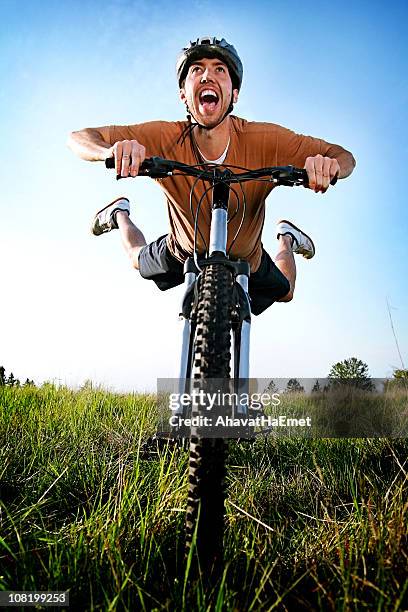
pixel 221 68
pixel 195 68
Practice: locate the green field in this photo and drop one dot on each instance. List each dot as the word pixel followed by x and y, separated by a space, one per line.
pixel 310 524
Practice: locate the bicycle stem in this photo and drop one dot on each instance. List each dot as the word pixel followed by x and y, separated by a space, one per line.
pixel 218 229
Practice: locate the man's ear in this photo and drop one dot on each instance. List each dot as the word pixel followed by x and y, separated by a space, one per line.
pixel 235 94
pixel 182 95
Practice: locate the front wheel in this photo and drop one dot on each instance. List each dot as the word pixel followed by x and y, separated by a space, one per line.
pixel 210 360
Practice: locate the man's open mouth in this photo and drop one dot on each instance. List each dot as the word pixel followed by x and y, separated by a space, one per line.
pixel 208 99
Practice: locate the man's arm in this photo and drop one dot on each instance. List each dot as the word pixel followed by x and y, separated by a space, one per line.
pixel 321 169
pixel 321 159
pixel 92 144
pixel 345 159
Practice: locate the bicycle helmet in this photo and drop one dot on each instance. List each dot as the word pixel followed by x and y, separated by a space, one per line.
pixel 210 47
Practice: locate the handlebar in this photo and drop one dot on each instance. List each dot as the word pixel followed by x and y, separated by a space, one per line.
pixel 157 167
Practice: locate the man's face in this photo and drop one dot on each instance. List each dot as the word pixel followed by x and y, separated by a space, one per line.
pixel 207 91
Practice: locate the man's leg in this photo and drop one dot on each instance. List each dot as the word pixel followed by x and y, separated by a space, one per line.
pixel 156 261
pixel 116 216
pixel 132 238
pixel 291 240
pixel 285 262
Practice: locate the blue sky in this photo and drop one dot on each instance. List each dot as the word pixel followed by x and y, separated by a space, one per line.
pixel 71 307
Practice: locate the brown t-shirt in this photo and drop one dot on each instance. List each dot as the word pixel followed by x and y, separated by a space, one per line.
pixel 252 145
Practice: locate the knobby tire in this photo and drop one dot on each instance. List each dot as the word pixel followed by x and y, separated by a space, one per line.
pixel 211 359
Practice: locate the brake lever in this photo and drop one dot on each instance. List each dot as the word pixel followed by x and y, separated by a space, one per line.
pixel 291 176
pixel 154 167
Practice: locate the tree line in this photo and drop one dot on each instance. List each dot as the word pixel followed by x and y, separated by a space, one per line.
pixel 12 381
pixel 351 372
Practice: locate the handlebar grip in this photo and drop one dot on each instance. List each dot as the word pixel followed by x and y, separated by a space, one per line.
pixel 306 179
pixel 110 163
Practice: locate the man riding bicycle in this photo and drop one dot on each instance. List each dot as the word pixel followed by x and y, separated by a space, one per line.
pixel 209 73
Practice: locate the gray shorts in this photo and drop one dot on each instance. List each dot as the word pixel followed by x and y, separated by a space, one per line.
pixel 266 285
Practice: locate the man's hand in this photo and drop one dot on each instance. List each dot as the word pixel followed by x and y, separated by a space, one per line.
pixel 128 154
pixel 321 170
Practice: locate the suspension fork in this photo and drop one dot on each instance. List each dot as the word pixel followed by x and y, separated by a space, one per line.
pixel 241 333
pixel 188 331
pixel 218 245
pixel 241 346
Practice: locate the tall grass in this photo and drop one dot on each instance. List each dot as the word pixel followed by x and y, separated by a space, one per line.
pixel 310 524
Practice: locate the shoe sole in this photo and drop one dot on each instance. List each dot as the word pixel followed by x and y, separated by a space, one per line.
pixel 302 232
pixel 104 208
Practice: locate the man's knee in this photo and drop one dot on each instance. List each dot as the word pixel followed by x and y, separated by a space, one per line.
pixel 288 297
pixel 287 290
pixel 134 256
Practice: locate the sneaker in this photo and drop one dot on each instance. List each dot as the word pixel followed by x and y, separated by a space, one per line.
pixel 302 243
pixel 105 219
